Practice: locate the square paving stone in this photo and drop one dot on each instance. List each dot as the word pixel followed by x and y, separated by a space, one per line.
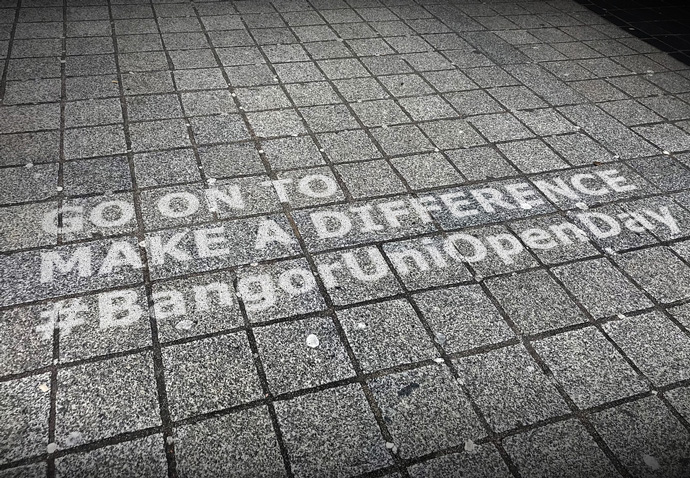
pixel 386 334
pixel 666 136
pixel 664 172
pixel 386 65
pixel 645 437
pixel 483 462
pixel 578 149
pixel 289 153
pixel 142 83
pixel 329 118
pixel 297 72
pixel 153 107
pixel 140 457
pixel 21 69
pixel 262 98
pixel 169 167
pixel 225 366
pixel 164 134
pixel 93 112
pixel 474 102
pixel 406 85
pixel 344 146
pixel 358 275
pixel 532 156
pixel 90 408
pixel 380 112
pixel 483 162
pixel 198 103
pixel 559 449
pixel 31 350
pixel 331 433
pixel 403 139
pixel 143 61
pixel 425 410
pixel 451 134
pixel 360 89
pixel 23 226
pixel 659 272
pixel 423 108
pixel 517 98
pixel 500 127
pixel 24 410
pixel 427 171
pixel 463 318
pixel 449 80
pixel 250 75
pixel 655 344
pixel 613 293
pixel 219 129
pixel 545 121
pixel 97 176
pixel 32 91
pixel 491 378
pixel 87 87
pixel 188 59
pixel 267 124
pixel 241 444
pixel 94 141
pixel 199 305
pixel 23 148
pixel 630 112
pixel 290 364
pixel 370 179
pixel 312 94
pixel 228 160
pixel 682 314
pixel 535 302
pixel 589 367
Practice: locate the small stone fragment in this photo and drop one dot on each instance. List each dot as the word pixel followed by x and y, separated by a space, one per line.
pixel 312 341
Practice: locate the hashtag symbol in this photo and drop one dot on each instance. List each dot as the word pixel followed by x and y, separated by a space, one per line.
pixel 63 315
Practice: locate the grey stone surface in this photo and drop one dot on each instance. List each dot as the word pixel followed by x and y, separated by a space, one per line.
pixel 90 407
pixel 484 462
pixel 464 316
pixel 144 456
pixel 662 359
pixel 191 189
pixel 224 364
pixel 614 294
pixel 386 334
pixel 425 410
pixel 491 378
pixel 535 302
pixel 659 272
pixel 24 408
pixel 561 449
pixel 332 432
pixel 589 367
pixel 291 364
pixel 645 437
pixel 242 443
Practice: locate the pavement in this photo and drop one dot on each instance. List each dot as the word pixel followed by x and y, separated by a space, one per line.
pixel 315 238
